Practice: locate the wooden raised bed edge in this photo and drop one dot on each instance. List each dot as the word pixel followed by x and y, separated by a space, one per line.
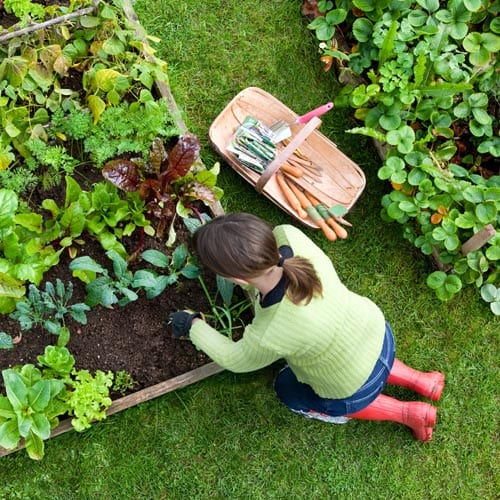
pixel 187 378
pixel 138 397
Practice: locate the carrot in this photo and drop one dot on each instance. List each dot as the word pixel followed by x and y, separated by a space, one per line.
pixel 289 196
pixel 312 212
pixel 339 230
pixel 290 169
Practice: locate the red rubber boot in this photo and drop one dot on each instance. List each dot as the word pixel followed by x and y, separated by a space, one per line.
pixel 419 416
pixel 428 384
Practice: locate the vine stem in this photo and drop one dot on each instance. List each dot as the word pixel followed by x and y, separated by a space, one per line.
pixel 50 22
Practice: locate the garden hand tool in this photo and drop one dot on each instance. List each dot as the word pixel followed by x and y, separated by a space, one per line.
pixel 281 130
pixel 323 211
pixel 311 211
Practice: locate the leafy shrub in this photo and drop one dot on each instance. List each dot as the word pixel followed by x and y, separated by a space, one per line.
pixel 422 76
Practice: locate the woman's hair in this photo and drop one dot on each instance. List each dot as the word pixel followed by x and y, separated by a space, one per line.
pixel 241 245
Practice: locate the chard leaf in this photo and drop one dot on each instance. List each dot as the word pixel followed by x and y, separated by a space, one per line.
pixel 182 156
pixel 123 174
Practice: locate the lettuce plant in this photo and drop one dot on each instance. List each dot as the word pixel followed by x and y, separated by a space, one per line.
pixel 37 397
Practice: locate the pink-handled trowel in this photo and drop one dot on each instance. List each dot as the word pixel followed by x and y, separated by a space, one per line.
pixel 281 130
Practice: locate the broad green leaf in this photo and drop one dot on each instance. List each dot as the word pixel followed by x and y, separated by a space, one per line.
pixel 119 264
pixel 41 426
pixel 190 271
pixel 8 207
pixel 73 191
pixel 89 21
pixel 6 410
pixel 362 29
pixel 490 292
pixel 34 446
pixel 436 279
pixel 9 435
pixel 31 221
pixel 179 256
pixel 486 212
pixel 113 46
pixel 225 288
pixel 473 5
pixel 144 279
pixel 86 263
pixel 155 257
pixel 482 116
pixel 5 343
pixel 429 5
pixel 39 395
pixel 493 252
pixel 97 106
pixel 16 390
pixel 101 291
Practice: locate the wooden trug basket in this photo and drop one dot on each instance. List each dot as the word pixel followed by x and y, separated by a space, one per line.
pixel 341 182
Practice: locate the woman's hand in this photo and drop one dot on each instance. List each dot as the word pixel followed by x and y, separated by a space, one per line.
pixel 181 321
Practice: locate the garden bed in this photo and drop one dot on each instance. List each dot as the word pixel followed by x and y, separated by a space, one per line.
pixel 133 339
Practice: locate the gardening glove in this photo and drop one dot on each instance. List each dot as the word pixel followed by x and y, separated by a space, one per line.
pixel 180 322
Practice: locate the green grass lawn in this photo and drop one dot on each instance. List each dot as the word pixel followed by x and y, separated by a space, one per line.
pixel 228 437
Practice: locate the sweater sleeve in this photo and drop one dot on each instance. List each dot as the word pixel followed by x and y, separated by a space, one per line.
pixel 244 355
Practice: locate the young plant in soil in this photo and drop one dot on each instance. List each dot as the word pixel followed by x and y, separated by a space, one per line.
pixel 166 181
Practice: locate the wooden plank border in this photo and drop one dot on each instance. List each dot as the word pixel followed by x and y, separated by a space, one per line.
pixel 138 397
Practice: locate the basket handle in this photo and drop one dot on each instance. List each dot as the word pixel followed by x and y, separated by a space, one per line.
pixel 273 167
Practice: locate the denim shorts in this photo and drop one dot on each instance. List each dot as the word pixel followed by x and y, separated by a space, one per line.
pixel 301 398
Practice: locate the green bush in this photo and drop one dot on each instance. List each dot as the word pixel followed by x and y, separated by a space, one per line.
pixel 423 80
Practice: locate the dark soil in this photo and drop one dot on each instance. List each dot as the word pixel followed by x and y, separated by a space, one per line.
pixel 132 338
pixel 9 20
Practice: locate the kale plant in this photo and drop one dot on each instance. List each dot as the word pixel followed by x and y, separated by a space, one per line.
pixel 49 307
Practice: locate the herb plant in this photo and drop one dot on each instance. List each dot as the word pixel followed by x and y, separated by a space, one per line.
pixel 123 382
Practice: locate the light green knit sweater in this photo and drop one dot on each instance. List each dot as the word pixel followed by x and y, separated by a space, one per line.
pixel 332 343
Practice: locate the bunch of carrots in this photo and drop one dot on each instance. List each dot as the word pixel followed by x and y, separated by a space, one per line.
pixel 303 202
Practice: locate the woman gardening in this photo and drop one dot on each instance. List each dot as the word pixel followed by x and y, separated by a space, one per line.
pixel 340 351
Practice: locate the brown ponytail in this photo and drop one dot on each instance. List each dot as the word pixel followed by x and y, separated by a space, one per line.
pixel 302 281
pixel 241 245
